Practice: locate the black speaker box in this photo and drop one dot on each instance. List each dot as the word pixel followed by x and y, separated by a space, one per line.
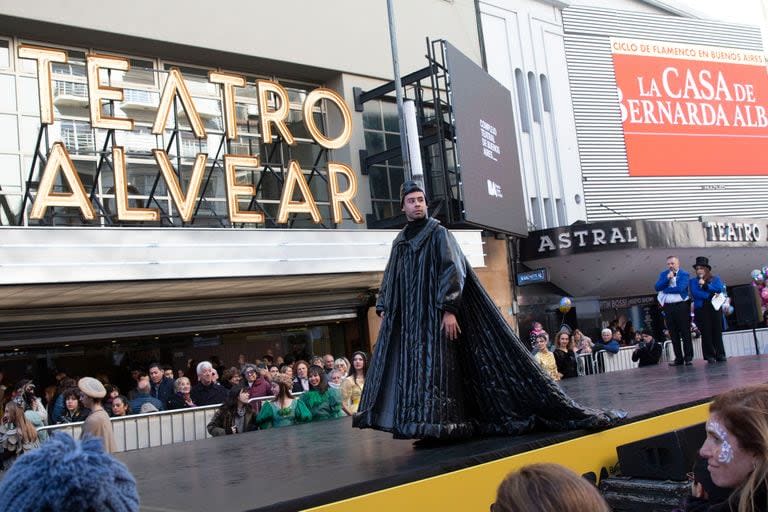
pixel 625 494
pixel 746 305
pixel 669 456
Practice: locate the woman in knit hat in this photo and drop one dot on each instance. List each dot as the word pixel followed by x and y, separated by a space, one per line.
pixel 68 476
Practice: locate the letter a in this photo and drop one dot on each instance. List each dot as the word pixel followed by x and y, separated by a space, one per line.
pixel 288 205
pixel 78 198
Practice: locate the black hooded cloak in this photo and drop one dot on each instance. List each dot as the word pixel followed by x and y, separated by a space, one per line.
pixel 421 385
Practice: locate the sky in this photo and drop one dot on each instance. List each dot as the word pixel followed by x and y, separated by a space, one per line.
pixel 739 11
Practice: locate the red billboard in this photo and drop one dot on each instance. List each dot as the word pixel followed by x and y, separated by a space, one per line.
pixel 691 110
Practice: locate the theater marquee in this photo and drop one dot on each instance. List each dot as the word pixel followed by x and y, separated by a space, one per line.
pixel 691 110
pixel 59 167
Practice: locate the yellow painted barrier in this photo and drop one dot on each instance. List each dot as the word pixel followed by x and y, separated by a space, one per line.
pixel 474 488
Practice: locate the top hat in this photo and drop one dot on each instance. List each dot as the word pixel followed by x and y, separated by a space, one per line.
pixel 702 261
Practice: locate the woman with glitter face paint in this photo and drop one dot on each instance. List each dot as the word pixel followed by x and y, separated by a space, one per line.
pixel 736 448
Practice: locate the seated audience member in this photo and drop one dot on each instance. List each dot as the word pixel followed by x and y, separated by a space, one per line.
pixel 607 342
pixel 120 406
pixel 148 407
pixel 57 409
pixel 565 356
pixel 287 369
pixel 547 488
pixel 161 387
pixel 736 448
pixel 582 343
pixel 648 351
pixel 181 398
pixel 284 410
pixel 328 363
pixel 206 391
pixel 32 404
pixel 17 435
pixel 256 383
pixel 618 336
pixel 352 386
pixel 342 364
pixel 536 329
pixel 73 409
pixel 231 378
pixel 235 415
pixel 112 392
pixel 300 380
pixel 68 476
pixel 320 400
pixel 545 358
pixel 143 397
pixel 334 379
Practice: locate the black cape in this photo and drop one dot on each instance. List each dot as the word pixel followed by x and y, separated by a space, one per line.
pixel 420 385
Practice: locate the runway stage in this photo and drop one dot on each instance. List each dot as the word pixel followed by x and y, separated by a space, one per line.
pixel 331 466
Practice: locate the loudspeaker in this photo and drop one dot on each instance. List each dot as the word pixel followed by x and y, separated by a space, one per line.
pixel 746 305
pixel 669 456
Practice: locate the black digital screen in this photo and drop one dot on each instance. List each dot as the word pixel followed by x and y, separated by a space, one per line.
pixel 492 187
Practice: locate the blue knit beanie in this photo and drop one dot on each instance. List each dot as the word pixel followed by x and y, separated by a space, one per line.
pixel 67 476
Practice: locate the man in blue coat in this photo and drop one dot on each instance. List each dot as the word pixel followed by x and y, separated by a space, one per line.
pixel 672 286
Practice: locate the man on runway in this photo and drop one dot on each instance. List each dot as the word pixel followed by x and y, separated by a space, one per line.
pixel 672 286
pixel 446 365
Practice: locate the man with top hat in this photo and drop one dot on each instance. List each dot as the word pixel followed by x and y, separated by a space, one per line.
pixel 709 319
pixel 446 365
pixel 672 286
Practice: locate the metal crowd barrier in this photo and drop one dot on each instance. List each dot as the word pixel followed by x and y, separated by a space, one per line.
pixel 742 343
pixel 137 431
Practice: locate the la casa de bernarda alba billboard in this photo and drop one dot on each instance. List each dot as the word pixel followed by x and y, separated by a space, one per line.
pixel 691 110
pixel 60 165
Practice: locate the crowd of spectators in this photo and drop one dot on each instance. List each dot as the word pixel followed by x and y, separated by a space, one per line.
pixel 559 357
pixel 299 391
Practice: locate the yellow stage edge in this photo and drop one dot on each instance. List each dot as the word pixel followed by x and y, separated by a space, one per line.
pixel 474 488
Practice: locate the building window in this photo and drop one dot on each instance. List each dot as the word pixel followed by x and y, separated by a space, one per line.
pixel 546 97
pixel 382 132
pixel 535 103
pixel 5 54
pixel 522 101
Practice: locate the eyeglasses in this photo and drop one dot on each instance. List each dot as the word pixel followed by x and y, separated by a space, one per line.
pixel 250 372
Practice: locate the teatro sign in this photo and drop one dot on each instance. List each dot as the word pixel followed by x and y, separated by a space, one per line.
pixel 60 165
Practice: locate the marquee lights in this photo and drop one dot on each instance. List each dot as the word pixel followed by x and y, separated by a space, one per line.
pixel 175 86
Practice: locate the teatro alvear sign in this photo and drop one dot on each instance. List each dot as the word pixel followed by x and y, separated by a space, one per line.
pixel 60 163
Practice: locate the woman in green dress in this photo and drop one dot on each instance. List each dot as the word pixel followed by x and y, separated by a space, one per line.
pixel 284 410
pixel 321 400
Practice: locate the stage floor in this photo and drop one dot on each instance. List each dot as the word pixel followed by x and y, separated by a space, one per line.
pixel 306 466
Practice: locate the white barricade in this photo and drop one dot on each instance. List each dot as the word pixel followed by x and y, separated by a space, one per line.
pixel 742 343
pixel 621 360
pixel 137 431
pixel 668 353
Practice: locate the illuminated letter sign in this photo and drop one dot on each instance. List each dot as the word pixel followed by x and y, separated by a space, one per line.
pixel 78 198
